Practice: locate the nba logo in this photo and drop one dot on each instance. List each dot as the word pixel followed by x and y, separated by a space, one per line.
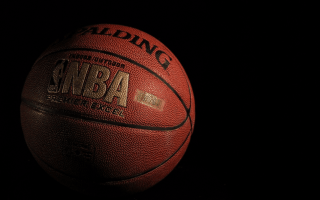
pixel 57 75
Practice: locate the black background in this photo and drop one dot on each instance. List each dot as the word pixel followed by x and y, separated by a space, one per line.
pixel 243 64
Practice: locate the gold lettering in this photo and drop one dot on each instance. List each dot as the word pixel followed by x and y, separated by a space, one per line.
pixel 121 80
pixel 77 78
pixel 93 81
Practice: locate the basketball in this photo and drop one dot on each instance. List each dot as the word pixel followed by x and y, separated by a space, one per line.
pixel 107 110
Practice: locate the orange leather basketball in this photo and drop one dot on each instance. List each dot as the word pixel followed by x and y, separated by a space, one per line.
pixel 107 109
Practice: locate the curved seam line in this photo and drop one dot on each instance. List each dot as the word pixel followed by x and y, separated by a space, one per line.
pixel 123 179
pixel 71 114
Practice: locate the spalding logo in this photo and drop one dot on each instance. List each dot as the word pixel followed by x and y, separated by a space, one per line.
pixel 161 56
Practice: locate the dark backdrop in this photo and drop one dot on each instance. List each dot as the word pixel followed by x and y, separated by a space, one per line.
pixel 241 64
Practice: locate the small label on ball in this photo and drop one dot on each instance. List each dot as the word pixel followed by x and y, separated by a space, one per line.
pixel 149 100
